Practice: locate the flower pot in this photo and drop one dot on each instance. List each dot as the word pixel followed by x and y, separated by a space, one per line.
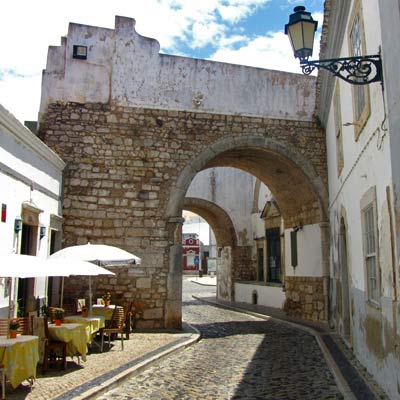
pixel 13 334
pixel 85 314
pixel 106 303
pixel 58 322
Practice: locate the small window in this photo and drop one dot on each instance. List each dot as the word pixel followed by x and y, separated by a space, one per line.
pixel 79 52
pixel 370 246
pixel 361 107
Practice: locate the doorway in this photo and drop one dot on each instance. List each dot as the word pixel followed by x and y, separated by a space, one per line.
pixel 344 277
pixel 26 286
pixel 273 255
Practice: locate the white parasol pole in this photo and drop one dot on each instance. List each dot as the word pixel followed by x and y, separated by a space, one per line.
pixel 62 292
pixel 90 295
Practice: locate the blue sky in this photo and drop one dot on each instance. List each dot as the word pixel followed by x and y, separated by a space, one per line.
pixel 246 32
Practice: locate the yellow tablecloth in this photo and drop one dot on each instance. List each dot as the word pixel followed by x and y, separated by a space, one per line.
pixel 19 357
pixel 91 324
pixel 101 311
pixel 72 334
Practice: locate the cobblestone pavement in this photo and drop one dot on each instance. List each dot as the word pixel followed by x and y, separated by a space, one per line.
pixel 239 357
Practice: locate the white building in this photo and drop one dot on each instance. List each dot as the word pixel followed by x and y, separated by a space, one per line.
pixel 362 131
pixel 31 182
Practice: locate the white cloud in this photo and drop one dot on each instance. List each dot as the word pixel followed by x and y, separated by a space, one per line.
pixel 271 52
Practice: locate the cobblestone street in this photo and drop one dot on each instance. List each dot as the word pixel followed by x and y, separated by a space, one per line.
pixel 238 357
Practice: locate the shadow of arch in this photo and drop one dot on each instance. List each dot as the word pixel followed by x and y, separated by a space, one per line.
pixel 298 189
pixel 216 217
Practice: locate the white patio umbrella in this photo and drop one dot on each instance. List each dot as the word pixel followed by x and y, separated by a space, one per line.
pixel 99 254
pixel 26 266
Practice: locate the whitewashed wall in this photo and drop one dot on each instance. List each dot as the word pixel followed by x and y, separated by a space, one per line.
pixel 309 253
pixel 232 190
pixel 30 173
pixel 367 164
pixel 127 69
pixel 266 295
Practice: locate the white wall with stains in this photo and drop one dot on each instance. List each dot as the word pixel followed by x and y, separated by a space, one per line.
pixel 127 69
pixel 373 332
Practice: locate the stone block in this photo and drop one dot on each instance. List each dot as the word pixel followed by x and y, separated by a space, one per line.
pixel 143 283
pixel 153 313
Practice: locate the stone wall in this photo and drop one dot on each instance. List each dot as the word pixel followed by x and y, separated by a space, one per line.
pixel 123 165
pixel 305 298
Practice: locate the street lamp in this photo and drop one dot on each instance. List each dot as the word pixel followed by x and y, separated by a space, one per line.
pixel 355 70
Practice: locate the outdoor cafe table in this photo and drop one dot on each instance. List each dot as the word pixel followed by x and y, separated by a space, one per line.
pixel 102 311
pixel 19 356
pixel 72 334
pixel 91 324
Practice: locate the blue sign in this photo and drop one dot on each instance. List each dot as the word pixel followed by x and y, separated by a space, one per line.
pixel 196 260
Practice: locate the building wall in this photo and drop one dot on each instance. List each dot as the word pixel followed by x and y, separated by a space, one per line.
pixel 266 295
pixel 31 178
pixel 368 167
pixel 165 81
pixel 231 189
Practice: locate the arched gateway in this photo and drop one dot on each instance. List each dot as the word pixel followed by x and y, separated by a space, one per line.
pixel 136 126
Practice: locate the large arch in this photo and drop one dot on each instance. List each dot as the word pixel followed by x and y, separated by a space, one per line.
pixel 298 189
pixel 300 192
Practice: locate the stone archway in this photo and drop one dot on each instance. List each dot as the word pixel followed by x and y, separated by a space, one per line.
pixel 133 146
pixel 280 166
pixel 226 238
pixel 299 190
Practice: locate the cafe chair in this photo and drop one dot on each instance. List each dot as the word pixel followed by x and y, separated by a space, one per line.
pixel 3 381
pixel 49 350
pixel 128 309
pixel 115 327
pixel 23 328
pixel 4 326
pixel 80 304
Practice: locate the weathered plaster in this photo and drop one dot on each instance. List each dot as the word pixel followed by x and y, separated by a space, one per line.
pixel 127 69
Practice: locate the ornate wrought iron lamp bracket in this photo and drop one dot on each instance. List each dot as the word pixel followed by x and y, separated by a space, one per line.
pixel 355 70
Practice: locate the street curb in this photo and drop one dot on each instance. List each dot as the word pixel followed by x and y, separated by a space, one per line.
pixel 109 384
pixel 341 382
pixel 202 284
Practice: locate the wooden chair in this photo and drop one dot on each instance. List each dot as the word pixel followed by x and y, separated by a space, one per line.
pixel 115 327
pixel 3 326
pixel 50 350
pixel 80 303
pixel 23 328
pixel 128 308
pixel 3 381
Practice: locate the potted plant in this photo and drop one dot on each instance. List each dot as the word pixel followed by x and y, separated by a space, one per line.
pixel 106 299
pixel 13 327
pixel 58 316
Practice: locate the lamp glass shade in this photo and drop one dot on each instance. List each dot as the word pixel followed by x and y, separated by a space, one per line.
pixel 301 29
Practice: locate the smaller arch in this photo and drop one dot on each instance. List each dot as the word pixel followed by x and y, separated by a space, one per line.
pixel 216 217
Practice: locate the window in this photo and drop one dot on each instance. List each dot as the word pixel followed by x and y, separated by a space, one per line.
pixel 260 258
pixel 369 228
pixel 338 129
pixel 273 255
pixel 361 108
